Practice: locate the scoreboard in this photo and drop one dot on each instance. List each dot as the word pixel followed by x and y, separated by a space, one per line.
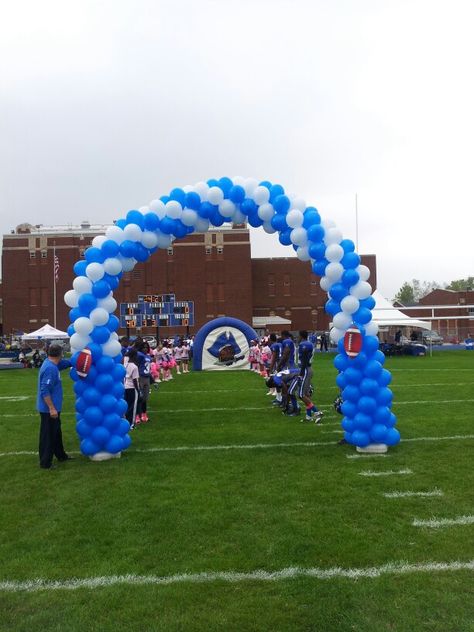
pixel 157 310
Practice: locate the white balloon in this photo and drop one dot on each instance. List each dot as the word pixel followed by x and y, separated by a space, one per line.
pixel 266 212
pixel 334 252
pixel 108 303
pixel 95 271
pixel 299 204
pixel 327 224
pixel 79 342
pixel 149 239
pixel 294 218
pixel 364 272
pixel 82 285
pixel 202 225
pixel 250 185
pixel 132 232
pixel 342 320
pixel 113 266
pixel 215 195
pixel 115 233
pixel 163 240
pixel 202 189
pixel 144 209
pixel 189 217
pixel 303 254
pixel 239 217
pixel 173 209
pixel 268 228
pixel 238 180
pixel 334 271
pixel 112 348
pixel 336 334
pixel 371 329
pixel 158 207
pixel 299 236
pixel 349 304
pixel 332 236
pixel 99 316
pixel 114 336
pixel 227 208
pixel 83 326
pixel 71 298
pixel 260 195
pixel 98 241
pixel 362 289
pixel 325 283
pixel 188 188
pixel 128 263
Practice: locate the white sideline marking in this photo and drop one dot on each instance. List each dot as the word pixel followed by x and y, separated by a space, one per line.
pixel 366 456
pixel 15 398
pixel 432 401
pixel 392 568
pixel 387 473
pixel 443 522
pixel 256 446
pixel 435 492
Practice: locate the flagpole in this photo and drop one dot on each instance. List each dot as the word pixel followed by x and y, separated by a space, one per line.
pixel 54 283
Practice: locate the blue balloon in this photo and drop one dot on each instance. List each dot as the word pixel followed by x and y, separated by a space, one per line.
pixel 83 429
pixel 212 182
pixel 100 289
pixel 80 268
pixel 121 407
pixel 94 255
pixel 311 217
pixel 167 225
pixel 360 439
pixel 379 356
pixel 87 302
pixel 349 409
pixel 278 222
pixel 341 381
pixel 113 323
pixel 100 334
pixel 368 386
pixel 350 277
pixel 370 344
pixel 254 220
pixel 216 218
pixel 340 361
pixel 248 206
pixel 123 428
pixel 384 397
pixel 192 200
pixel 110 248
pixel 348 424
pixel 362 316
pixel 112 422
pixel 96 351
pixel 127 248
pixel 319 267
pixel 141 253
pixel 353 376
pixel 88 447
pixel 384 378
pixel 113 281
pixel 237 194
pixel 317 251
pixel 79 388
pixel 91 396
pixel 368 303
pixel 70 330
pixel 226 185
pixel 350 260
pixel 285 238
pixel 179 230
pixel 118 372
pixel 126 441
pixel 337 291
pixel 118 390
pixel 360 361
pixel 382 415
pixel 165 198
pixel 332 307
pixel 392 421
pixel 265 183
pixel 115 444
pixel 281 204
pixel 392 437
pixel 104 383
pixel 93 415
pixel 135 217
pixel 316 233
pixel 108 403
pixel 100 435
pixel 373 369
pixel 367 405
pixel 121 223
pixel 179 195
pixel 347 245
pixel 81 405
pixel 92 375
pixel 351 394
pixel 378 432
pixel 275 191
pixel 151 221
pixel 105 365
pixel 362 421
pixel 206 210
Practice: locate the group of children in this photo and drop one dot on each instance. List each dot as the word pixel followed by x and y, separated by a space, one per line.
pixel 146 367
pixel 288 372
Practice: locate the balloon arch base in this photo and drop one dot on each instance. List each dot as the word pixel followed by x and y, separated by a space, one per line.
pixel 105 456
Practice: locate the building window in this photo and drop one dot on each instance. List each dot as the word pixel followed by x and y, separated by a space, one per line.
pixel 81 252
pixel 170 251
pixel 220 250
pixel 32 254
pixel 208 250
pixel 44 254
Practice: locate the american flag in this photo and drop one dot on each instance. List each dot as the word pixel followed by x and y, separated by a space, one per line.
pixel 56 267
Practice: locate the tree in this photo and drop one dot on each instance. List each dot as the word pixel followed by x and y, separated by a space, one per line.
pixel 411 293
pixel 461 285
pixel 405 295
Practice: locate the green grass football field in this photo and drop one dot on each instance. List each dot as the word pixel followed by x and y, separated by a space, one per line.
pixel 226 515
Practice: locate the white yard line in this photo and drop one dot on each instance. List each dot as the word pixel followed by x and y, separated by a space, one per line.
pixel 435 492
pixel 233 577
pixel 386 473
pixel 443 522
pixel 367 456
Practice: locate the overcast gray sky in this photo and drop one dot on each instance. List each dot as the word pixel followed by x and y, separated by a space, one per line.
pixel 107 105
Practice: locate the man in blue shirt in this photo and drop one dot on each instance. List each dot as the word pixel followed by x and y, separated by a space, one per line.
pixel 287 359
pixel 305 355
pixel 49 402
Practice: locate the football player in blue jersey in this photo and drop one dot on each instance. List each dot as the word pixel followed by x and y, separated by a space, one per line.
pixel 287 360
pixel 305 355
pixel 275 348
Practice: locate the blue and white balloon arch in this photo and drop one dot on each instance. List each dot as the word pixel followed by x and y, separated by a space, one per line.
pixel 100 406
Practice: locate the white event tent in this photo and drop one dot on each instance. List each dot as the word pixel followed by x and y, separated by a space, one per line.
pixel 45 333
pixel 385 315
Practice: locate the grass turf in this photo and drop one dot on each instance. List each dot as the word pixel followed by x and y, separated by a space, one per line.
pixel 175 511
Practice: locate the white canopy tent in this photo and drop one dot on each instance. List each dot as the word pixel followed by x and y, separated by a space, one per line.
pixel 45 333
pixel 385 315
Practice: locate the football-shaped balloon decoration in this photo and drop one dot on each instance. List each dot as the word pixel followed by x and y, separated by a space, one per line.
pixel 100 406
pixel 84 362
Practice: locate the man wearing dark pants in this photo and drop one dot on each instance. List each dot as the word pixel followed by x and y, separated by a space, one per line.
pixel 49 403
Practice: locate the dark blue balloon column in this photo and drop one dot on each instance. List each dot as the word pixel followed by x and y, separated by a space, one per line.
pixel 99 397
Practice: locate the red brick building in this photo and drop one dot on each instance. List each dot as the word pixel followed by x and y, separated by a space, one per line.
pixel 215 270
